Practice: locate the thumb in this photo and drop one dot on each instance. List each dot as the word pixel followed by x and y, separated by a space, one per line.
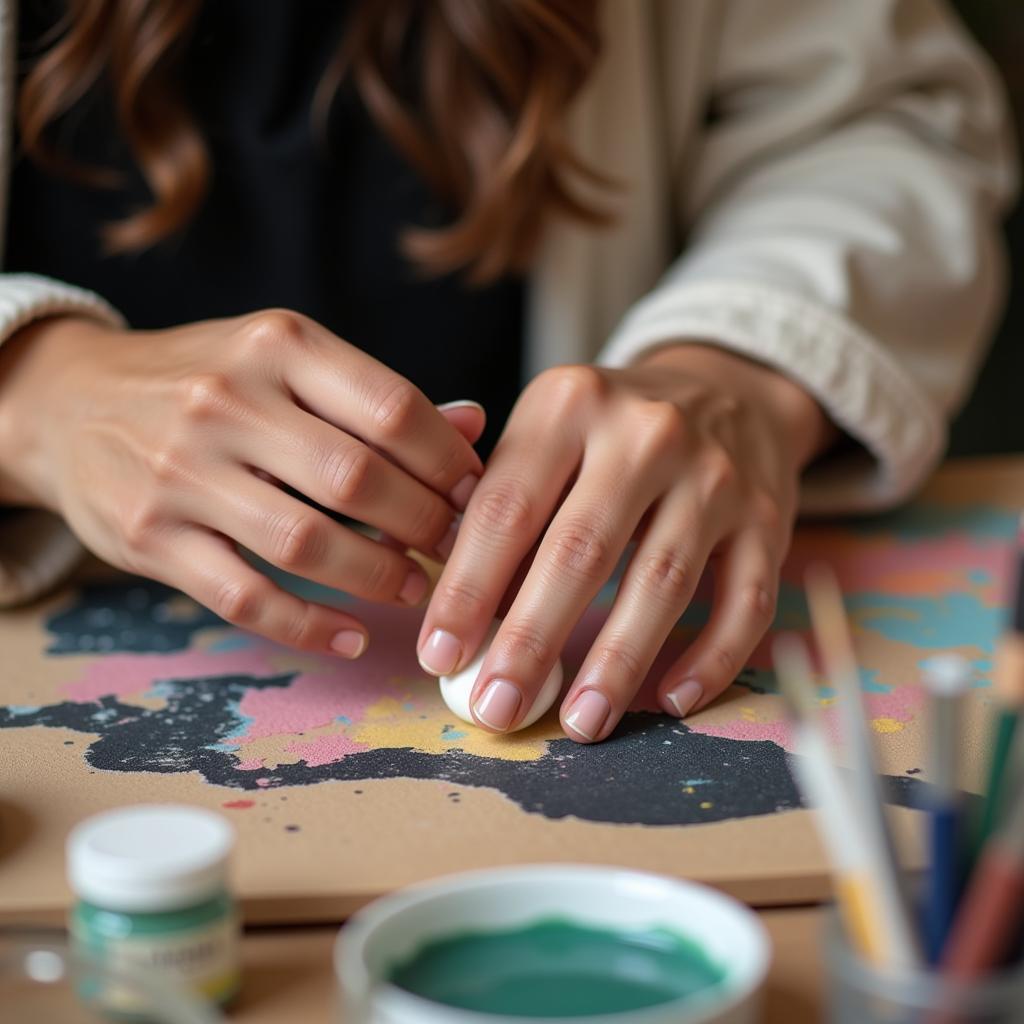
pixel 467 417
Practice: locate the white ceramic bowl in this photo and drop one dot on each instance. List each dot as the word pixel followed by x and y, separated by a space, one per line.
pixel 391 929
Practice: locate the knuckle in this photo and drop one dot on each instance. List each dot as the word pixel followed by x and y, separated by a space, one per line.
pixel 720 473
pixel 503 508
pixel 567 387
pixel 758 601
pixel 272 330
pixel 394 409
pixel 581 549
pixel 668 575
pixel 723 662
pixel 461 599
pixel 619 658
pixel 298 631
pixel 207 396
pixel 347 472
pixel 443 474
pixel 238 602
pixel 428 522
pixel 168 464
pixel 525 639
pixel 140 524
pixel 296 541
pixel 661 425
pixel 767 511
pixel 381 579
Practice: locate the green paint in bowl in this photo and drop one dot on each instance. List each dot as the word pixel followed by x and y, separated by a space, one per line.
pixel 557 968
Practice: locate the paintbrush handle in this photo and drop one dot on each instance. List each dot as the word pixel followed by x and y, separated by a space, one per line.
pixel 943 879
pixel 1002 744
pixel 990 916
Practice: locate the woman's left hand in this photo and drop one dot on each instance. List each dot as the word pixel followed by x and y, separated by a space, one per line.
pixel 696 454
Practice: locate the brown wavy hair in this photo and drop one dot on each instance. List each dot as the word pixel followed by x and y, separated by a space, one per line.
pixel 483 122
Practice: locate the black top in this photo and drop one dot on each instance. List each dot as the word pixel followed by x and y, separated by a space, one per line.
pixel 288 220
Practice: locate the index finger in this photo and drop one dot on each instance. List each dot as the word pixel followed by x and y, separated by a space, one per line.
pixel 344 386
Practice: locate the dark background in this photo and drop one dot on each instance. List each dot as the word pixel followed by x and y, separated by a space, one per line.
pixel 993 420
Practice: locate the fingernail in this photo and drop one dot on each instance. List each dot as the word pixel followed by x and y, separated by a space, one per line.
pixel 414 589
pixel 349 643
pixel 589 711
pixel 441 653
pixel 463 491
pixel 684 697
pixel 444 546
pixel 499 704
pixel 460 403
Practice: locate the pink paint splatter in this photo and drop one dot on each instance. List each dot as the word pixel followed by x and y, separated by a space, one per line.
pixel 778 731
pixel 877 564
pixel 119 675
pixel 239 805
pixel 311 700
pixel 325 749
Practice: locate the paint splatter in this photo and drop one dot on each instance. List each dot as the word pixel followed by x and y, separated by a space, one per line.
pixel 172 688
pixel 886 725
pixel 239 805
pixel 636 768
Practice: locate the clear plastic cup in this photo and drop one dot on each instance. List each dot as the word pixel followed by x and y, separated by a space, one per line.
pixel 47 980
pixel 861 993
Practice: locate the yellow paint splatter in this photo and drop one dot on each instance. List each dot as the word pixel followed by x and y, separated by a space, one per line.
pixel 688 789
pixel 390 723
pixel 748 714
pixel 706 805
pixel 886 725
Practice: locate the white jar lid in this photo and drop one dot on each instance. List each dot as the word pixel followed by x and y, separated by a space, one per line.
pixel 149 857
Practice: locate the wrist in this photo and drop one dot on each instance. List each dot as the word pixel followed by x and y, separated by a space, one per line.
pixel 801 420
pixel 34 366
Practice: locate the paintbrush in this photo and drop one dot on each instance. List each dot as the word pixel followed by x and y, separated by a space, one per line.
pixel 1009 690
pixel 946 678
pixel 831 630
pixel 986 928
pixel 837 819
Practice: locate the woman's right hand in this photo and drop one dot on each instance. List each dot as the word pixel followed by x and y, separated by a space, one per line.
pixel 164 450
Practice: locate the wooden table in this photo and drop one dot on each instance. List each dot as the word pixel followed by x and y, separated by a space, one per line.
pixel 289 977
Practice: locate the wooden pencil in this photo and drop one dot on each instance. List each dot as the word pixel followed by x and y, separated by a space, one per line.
pixel 832 633
pixel 837 820
pixel 947 678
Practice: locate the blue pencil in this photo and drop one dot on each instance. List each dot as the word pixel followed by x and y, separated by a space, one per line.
pixel 947 678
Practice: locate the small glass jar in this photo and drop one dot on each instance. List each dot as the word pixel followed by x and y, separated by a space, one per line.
pixel 861 993
pixel 151 883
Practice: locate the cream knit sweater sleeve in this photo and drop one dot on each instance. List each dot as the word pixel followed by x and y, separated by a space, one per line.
pixel 36 549
pixel 841 214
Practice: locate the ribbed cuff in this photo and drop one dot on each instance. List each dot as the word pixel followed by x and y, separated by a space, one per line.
pixel 28 297
pixel 857 382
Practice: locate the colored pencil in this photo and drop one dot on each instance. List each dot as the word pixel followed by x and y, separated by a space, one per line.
pixel 837 820
pixel 1009 690
pixel 986 928
pixel 947 678
pixel 832 633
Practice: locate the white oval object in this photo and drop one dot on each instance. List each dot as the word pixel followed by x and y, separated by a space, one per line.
pixel 456 689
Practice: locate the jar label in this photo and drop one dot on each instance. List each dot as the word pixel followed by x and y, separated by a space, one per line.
pixel 205 960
